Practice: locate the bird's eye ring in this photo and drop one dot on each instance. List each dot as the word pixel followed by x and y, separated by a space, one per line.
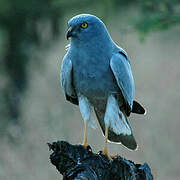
pixel 84 25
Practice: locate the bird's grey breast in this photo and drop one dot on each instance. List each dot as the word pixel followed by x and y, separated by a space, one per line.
pixel 92 75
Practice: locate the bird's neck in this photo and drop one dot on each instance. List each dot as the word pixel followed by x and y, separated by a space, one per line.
pixel 95 43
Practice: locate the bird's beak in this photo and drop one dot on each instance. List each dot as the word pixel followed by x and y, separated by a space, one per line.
pixel 69 32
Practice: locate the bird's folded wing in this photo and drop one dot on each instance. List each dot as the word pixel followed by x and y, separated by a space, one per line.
pixel 66 77
pixel 122 71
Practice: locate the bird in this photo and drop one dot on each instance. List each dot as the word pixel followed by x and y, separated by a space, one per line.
pixel 96 75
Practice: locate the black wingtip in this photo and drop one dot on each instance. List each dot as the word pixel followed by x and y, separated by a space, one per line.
pixel 73 100
pixel 138 108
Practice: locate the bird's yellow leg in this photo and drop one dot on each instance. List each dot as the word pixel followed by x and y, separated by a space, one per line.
pixel 85 134
pixel 105 151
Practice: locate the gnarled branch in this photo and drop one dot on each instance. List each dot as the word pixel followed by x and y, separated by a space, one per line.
pixel 76 162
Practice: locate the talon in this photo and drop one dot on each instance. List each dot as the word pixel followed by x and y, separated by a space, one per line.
pixel 105 153
pixel 85 144
pixel 114 156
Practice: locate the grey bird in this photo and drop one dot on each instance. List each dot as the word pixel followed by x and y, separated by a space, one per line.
pixel 96 74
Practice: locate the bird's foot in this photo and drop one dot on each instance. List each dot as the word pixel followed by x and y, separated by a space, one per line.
pixel 114 156
pixel 108 156
pixel 105 153
pixel 85 144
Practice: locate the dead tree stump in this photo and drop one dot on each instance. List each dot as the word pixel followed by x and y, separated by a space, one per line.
pixel 76 162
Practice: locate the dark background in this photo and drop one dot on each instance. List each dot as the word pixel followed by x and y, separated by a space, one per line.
pixel 33 109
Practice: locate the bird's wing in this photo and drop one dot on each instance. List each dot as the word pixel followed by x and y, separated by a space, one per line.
pixel 121 68
pixel 67 80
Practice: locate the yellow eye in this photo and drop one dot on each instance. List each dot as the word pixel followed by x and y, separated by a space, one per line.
pixel 84 25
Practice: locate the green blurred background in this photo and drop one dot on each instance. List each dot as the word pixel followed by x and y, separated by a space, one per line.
pixel 33 109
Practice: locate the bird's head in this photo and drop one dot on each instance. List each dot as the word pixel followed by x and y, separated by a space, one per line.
pixel 86 27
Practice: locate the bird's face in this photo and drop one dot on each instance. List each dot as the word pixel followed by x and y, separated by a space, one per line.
pixel 85 27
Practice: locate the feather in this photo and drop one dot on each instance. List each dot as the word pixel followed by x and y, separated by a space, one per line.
pixel 122 71
pixel 138 108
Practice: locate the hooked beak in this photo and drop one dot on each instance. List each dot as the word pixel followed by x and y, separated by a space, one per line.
pixel 69 32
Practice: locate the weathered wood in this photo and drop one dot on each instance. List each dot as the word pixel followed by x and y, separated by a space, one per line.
pixel 76 162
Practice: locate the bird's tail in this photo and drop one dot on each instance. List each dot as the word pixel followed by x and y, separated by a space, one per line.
pixel 127 140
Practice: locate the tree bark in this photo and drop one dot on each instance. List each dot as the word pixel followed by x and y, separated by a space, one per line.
pixel 76 162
